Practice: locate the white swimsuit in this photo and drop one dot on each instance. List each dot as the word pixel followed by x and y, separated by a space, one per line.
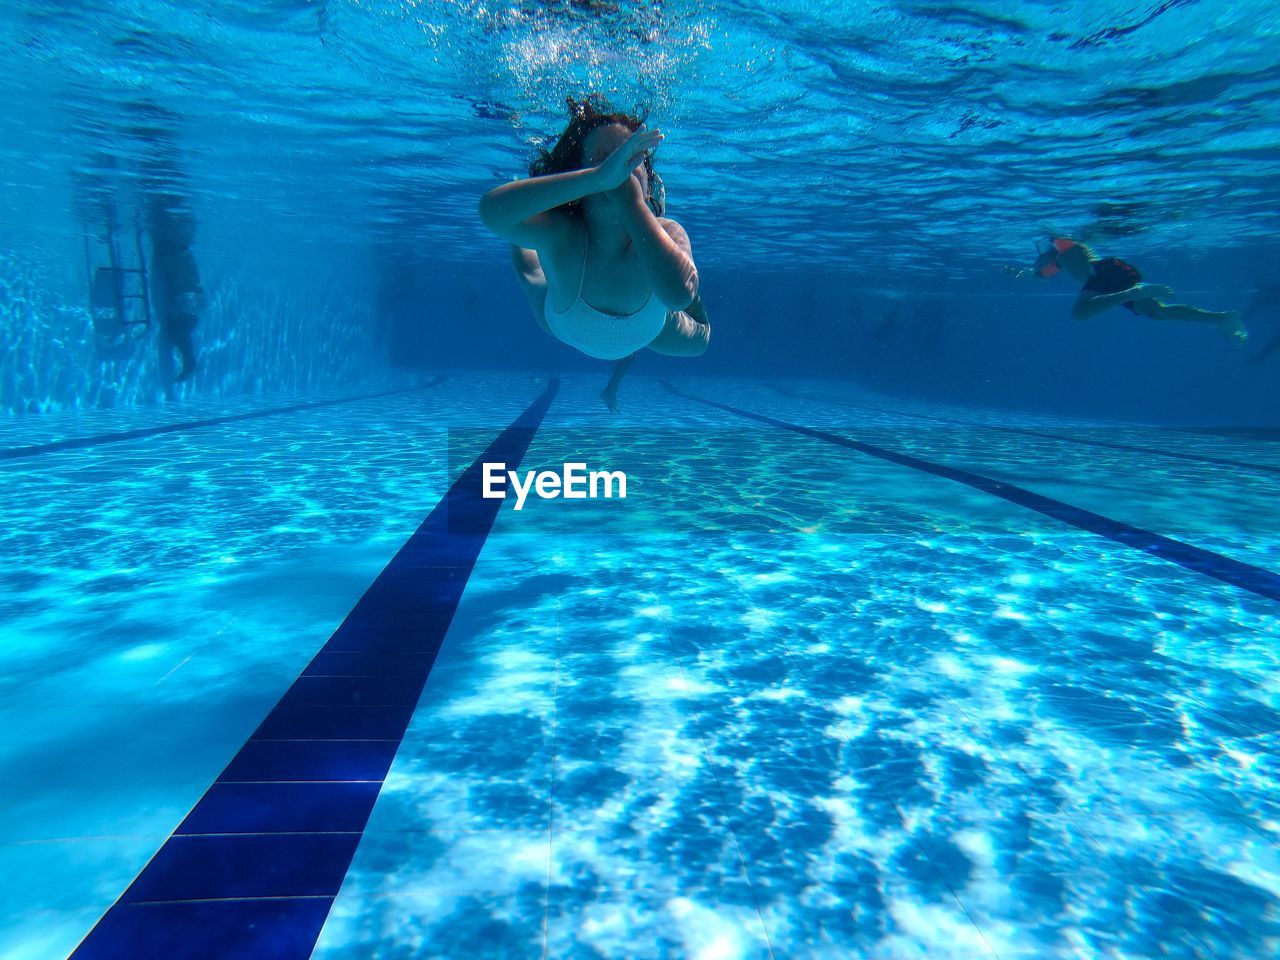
pixel 606 336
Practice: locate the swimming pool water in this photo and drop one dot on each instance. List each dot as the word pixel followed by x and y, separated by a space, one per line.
pixel 935 624
pixel 789 699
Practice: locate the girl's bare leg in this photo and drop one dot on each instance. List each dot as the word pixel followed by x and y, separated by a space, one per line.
pixel 610 392
pixel 685 334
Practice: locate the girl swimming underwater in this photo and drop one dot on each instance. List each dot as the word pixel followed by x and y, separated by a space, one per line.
pixel 602 268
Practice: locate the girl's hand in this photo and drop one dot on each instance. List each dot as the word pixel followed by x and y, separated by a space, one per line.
pixel 1155 291
pixel 614 170
pixel 630 194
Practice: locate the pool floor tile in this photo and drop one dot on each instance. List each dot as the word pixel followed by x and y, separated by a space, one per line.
pixel 282 808
pixel 228 930
pixel 337 760
pixel 289 721
pixel 226 867
pixel 355 691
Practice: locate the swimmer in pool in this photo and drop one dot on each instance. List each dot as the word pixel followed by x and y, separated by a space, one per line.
pixel 175 281
pixel 1110 282
pixel 603 270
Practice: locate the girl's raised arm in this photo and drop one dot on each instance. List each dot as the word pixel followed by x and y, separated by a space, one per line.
pixel 520 212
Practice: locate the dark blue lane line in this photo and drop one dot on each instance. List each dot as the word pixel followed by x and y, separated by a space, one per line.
pixel 1195 457
pixel 1269 434
pixel 252 871
pixel 79 443
pixel 1256 580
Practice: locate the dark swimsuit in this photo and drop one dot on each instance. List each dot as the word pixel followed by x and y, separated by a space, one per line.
pixel 1111 276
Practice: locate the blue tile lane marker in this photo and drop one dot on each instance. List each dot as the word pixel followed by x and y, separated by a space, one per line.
pixel 1243 433
pixel 1194 457
pixel 1256 580
pixel 79 443
pixel 252 871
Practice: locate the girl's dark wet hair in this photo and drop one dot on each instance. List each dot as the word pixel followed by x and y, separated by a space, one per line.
pixel 585 116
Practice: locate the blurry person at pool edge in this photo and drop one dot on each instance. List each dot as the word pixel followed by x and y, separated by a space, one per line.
pixel 1110 282
pixel 175 281
pixel 603 270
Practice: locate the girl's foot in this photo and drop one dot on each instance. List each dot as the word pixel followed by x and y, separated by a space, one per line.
pixel 1233 328
pixel 610 397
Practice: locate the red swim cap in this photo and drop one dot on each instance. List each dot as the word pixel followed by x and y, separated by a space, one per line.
pixel 1060 245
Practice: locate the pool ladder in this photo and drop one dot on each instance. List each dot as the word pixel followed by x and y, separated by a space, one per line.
pixel 109 289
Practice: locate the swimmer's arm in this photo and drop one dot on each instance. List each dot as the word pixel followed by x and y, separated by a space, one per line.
pixel 523 212
pixel 1022 273
pixel 665 254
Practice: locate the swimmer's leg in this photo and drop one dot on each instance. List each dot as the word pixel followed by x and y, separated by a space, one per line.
pixel 1090 303
pixel 687 333
pixel 610 392
pixel 1228 321
pixel 533 282
pixel 1087 305
pixel 181 326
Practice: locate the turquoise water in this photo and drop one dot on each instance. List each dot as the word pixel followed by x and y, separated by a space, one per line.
pixel 853 177
pixel 860 711
pixel 934 623
pixel 809 130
